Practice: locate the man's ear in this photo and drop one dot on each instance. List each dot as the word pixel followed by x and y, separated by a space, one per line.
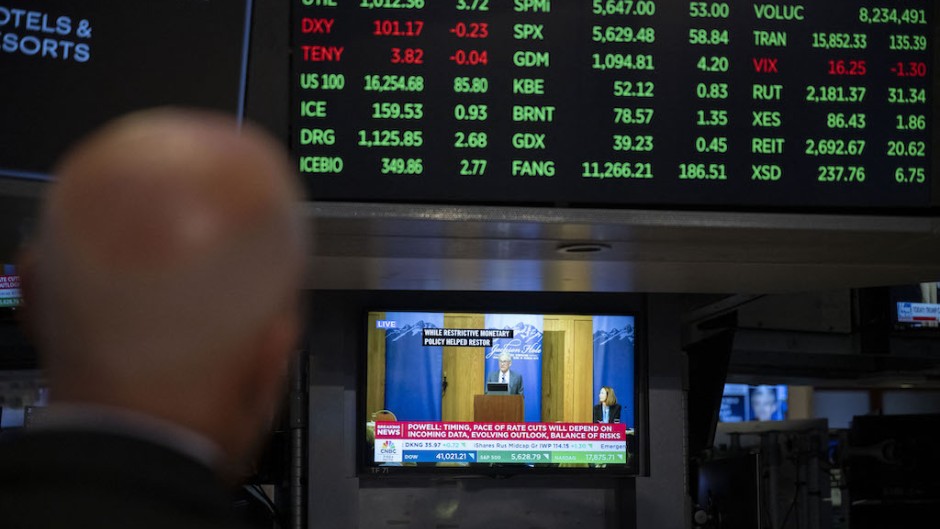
pixel 278 345
pixel 261 383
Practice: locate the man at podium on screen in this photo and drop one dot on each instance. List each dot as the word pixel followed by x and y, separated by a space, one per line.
pixel 505 376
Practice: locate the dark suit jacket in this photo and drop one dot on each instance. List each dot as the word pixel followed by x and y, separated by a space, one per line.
pixel 613 414
pixel 515 381
pixel 65 479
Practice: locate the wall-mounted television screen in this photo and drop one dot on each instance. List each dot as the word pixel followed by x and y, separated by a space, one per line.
pixel 500 393
pixel 743 402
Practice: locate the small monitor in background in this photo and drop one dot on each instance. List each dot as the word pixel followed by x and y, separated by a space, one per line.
pixel 497 388
pixel 12 417
pixel 915 306
pixel 743 402
pixel 10 294
pixel 22 402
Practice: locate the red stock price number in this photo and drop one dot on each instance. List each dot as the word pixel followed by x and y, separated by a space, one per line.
pixel 469 57
pixel 407 56
pixel 471 30
pixel 847 67
pixel 397 28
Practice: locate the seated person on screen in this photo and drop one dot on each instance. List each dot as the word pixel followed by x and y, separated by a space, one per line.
pixel 607 410
pixel 163 291
pixel 764 402
pixel 506 376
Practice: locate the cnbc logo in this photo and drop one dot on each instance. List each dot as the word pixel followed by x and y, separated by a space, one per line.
pixel 388 447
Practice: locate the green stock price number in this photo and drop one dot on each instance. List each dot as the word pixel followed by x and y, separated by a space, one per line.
pixel 623 34
pixel 623 142
pixel 839 120
pixel 402 166
pixel 711 118
pixel 709 37
pixel 711 64
pixel 637 170
pixel 907 96
pixel 624 7
pixel 709 10
pixel 911 122
pixel 834 147
pixel 717 144
pixel 840 173
pixel 470 112
pixel 391 138
pixel 528 457
pixel 711 90
pixel 621 61
pixel 393 83
pixel 907 148
pixel 473 5
pixel 387 110
pixel 473 167
pixel 910 175
pixel 634 88
pixel 471 85
pixel 470 140
pixel 633 116
pixel 702 171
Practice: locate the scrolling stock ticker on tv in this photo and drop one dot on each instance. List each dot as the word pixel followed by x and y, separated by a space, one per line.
pixel 497 393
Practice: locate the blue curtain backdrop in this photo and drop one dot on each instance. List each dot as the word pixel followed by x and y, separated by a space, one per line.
pixel 526 349
pixel 412 371
pixel 613 361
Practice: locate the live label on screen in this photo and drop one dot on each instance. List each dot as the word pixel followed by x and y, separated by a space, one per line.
pixel 615 102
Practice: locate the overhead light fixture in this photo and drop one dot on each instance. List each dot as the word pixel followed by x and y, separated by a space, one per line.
pixel 583 248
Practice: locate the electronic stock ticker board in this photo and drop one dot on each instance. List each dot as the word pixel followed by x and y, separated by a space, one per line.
pixel 740 104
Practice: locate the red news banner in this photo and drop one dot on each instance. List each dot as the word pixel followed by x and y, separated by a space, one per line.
pixel 499 442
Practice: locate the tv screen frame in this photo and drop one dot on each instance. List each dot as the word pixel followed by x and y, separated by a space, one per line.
pixel 636 464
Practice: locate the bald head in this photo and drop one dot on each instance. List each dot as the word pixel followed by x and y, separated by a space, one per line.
pixel 168 257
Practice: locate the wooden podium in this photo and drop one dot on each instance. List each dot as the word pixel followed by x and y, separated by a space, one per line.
pixel 498 408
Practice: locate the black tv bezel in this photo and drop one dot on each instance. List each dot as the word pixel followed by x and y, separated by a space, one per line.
pixel 638 466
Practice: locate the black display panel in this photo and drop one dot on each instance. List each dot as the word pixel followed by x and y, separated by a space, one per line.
pixel 615 102
pixel 67 67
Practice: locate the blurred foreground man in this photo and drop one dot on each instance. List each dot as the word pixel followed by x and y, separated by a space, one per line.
pixel 162 291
